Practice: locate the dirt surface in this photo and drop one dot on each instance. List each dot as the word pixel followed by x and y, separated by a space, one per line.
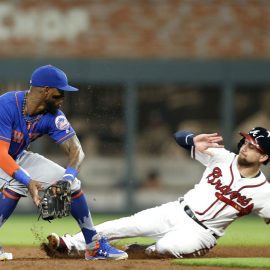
pixel 28 258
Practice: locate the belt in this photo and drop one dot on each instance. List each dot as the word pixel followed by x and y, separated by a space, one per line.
pixel 190 213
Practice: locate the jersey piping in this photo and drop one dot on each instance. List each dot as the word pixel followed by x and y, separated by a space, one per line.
pixel 232 179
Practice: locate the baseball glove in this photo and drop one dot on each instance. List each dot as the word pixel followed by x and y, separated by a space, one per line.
pixel 56 201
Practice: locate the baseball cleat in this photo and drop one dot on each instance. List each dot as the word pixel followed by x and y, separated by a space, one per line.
pixel 56 243
pixel 54 240
pixel 99 249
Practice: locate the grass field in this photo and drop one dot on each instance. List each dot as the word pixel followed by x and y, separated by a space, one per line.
pixel 228 262
pixel 27 230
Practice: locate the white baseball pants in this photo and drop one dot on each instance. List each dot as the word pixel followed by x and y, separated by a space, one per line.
pixel 174 231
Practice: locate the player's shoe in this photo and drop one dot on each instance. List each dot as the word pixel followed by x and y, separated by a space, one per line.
pixel 55 242
pixel 57 248
pixel 4 256
pixel 99 249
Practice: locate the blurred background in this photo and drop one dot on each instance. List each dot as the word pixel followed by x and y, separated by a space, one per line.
pixel 145 69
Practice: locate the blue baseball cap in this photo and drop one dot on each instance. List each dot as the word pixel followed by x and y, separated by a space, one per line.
pixel 52 77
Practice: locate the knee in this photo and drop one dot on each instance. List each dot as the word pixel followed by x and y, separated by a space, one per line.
pixel 165 248
pixel 180 249
pixel 8 202
pixel 8 193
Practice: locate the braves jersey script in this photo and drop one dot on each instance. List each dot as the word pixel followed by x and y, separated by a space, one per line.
pixel 19 133
pixel 222 195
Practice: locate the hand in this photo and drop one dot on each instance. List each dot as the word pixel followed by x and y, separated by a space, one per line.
pixel 34 187
pixel 204 141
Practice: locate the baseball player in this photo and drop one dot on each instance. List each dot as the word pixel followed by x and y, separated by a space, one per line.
pixel 231 186
pixel 25 116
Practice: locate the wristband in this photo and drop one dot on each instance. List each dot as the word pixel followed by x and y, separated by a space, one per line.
pixel 22 176
pixel 184 138
pixel 70 174
pixel 189 139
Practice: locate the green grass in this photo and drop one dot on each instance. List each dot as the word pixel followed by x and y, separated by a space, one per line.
pixel 247 231
pixel 227 262
pixel 26 230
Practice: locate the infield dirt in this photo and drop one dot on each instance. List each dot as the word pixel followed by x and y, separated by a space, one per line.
pixel 30 258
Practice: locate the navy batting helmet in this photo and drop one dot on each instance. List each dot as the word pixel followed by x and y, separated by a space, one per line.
pixel 259 137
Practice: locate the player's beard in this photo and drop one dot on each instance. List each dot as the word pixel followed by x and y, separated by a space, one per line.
pixel 244 163
pixel 51 107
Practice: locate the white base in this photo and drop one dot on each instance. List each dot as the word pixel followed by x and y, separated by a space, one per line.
pixel 6 256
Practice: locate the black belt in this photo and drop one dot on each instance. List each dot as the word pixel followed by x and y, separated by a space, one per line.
pixel 190 213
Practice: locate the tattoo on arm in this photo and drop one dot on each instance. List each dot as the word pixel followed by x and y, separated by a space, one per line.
pixel 74 150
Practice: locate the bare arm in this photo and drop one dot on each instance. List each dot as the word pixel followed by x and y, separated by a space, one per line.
pixel 74 150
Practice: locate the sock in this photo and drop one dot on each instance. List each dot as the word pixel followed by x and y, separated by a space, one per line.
pixel 81 213
pixel 8 202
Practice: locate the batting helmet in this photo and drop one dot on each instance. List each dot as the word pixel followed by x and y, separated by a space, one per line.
pixel 259 137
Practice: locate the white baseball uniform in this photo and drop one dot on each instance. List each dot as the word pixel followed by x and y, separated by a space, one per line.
pixel 221 196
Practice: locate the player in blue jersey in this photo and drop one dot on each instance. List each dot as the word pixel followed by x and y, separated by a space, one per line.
pixel 25 116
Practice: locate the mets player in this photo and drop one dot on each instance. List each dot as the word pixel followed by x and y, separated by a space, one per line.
pixel 231 186
pixel 24 117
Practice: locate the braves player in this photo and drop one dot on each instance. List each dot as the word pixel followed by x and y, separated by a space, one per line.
pixel 25 116
pixel 231 186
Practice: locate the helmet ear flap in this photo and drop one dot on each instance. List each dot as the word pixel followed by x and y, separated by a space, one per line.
pixel 241 142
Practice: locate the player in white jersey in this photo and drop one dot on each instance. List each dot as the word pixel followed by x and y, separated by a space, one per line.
pixel 231 186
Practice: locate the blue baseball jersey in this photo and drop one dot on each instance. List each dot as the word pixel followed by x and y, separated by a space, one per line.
pixel 20 132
